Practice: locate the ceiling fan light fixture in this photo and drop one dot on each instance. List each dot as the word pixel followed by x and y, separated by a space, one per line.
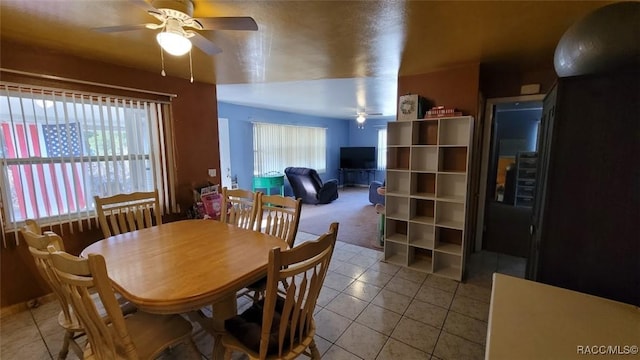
pixel 360 119
pixel 174 41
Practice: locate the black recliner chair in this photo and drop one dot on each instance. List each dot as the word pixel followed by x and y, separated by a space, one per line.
pixel 308 186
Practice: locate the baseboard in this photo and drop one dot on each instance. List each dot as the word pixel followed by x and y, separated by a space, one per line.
pixel 24 306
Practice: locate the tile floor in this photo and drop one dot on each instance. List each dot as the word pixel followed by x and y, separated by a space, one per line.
pixel 367 309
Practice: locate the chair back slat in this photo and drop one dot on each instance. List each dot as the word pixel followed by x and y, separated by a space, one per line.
pixel 123 213
pixel 302 270
pixel 108 340
pixel 38 244
pixel 239 208
pixel 279 216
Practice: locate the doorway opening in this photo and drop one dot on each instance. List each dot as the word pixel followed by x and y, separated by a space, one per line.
pixel 508 179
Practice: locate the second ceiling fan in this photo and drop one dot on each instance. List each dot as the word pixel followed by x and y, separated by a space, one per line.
pixel 180 28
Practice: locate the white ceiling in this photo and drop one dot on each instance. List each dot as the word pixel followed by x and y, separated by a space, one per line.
pixel 335 98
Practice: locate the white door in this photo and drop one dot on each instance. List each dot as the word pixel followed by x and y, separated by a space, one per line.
pixel 225 152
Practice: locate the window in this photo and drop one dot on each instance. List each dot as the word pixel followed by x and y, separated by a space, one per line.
pixel 276 147
pixel 382 149
pixel 59 149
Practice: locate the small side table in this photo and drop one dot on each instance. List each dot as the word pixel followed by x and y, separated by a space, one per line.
pixel 268 182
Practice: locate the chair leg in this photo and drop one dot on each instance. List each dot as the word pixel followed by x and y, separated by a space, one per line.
pixel 227 354
pixel 194 348
pixel 315 354
pixel 64 351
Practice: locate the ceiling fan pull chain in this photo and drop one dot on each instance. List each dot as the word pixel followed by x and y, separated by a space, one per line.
pixel 162 59
pixel 190 66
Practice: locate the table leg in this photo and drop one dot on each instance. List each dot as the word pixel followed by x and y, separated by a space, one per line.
pixel 224 309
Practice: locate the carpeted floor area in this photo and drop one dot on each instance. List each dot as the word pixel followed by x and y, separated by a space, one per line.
pixel 357 217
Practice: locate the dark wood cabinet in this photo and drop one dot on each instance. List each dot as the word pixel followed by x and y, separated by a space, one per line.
pixel 586 214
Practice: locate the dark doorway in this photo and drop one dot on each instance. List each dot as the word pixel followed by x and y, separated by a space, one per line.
pixel 511 177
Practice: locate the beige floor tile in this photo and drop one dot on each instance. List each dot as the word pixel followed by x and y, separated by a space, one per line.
pixel 337 281
pixel 395 350
pixel 343 254
pixel 376 278
pixel 46 311
pixel 466 327
pixel 379 319
pixel 385 268
pixel 392 301
pixel 326 295
pixel 441 283
pixel 330 325
pixel 471 307
pixel 337 353
pixel 435 296
pixel 347 306
pixel 54 345
pixel 475 292
pixel 426 313
pixel 362 290
pixel 322 344
pixel 402 286
pixel 363 260
pixel 416 334
pixel 362 341
pixel 35 350
pixel 411 275
pixel 335 263
pixel 374 254
pixel 181 352
pixel 451 347
pixel 21 335
pixel 350 270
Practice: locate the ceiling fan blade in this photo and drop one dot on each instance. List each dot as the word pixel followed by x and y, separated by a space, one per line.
pixel 110 29
pixel 374 114
pixel 204 44
pixel 228 23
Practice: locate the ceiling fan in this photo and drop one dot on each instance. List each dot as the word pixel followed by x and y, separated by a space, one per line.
pixel 178 26
pixel 361 117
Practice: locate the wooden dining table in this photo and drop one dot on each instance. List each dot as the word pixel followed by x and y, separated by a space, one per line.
pixel 183 266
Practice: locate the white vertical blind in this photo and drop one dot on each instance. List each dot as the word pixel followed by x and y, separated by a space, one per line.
pixel 277 146
pixel 60 148
pixel 382 149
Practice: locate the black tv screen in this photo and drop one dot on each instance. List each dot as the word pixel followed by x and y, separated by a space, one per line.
pixel 358 157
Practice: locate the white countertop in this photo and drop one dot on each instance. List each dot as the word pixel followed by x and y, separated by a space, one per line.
pixel 530 320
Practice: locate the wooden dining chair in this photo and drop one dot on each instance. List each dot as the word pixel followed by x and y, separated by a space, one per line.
pixel 239 207
pixel 38 244
pixel 123 213
pixel 281 326
pixel 137 336
pixel 278 216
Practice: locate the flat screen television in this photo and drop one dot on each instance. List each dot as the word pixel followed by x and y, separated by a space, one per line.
pixel 363 157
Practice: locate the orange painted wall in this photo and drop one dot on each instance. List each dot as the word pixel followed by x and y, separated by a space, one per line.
pixel 195 117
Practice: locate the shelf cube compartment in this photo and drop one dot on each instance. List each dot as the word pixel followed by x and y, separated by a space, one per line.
pixel 398 133
pixel 398 182
pixel 395 231
pixel 452 187
pixel 454 131
pixel 421 235
pixel 423 185
pixel 450 215
pixel 420 259
pixel 448 240
pixel 447 265
pixel 422 211
pixel 395 253
pixel 396 207
pixel 398 158
pixel 424 158
pixel 453 159
pixel 426 132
